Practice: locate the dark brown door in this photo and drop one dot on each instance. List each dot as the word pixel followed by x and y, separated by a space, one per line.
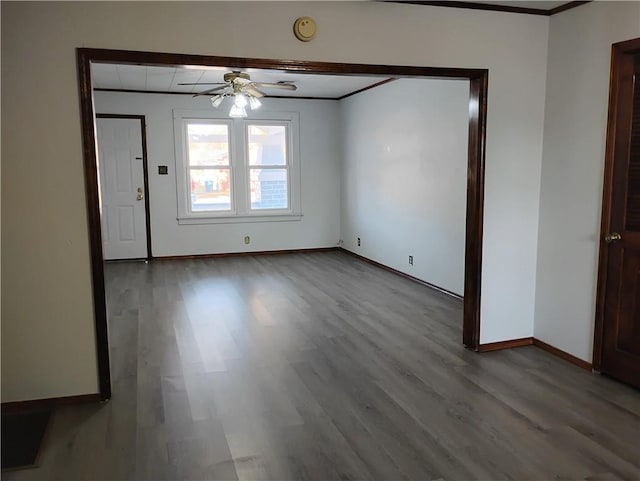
pixel 620 330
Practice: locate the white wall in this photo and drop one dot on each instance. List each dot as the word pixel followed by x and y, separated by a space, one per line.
pixel 572 169
pixel 404 177
pixel 48 341
pixel 320 178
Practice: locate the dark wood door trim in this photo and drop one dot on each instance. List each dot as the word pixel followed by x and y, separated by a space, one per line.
pixel 475 173
pixel 145 169
pixel 618 53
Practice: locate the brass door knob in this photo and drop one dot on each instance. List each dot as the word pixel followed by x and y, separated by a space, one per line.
pixel 140 196
pixel 613 237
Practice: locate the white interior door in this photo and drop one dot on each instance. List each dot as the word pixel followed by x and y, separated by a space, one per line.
pixel 124 229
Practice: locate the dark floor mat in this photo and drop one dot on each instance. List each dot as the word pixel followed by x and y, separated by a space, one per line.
pixel 22 435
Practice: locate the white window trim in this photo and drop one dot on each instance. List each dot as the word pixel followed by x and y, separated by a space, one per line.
pixel 240 196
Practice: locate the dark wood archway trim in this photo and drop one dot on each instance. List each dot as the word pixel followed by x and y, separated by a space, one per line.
pixel 94 224
pixel 619 52
pixel 475 210
pixel 475 176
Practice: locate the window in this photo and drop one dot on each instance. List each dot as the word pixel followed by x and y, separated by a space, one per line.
pixel 268 166
pixel 209 168
pixel 237 170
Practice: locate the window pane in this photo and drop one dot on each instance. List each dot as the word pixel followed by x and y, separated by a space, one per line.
pixel 267 145
pixel 269 189
pixel 208 144
pixel 210 190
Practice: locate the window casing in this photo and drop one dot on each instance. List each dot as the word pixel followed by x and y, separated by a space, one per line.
pixel 237 170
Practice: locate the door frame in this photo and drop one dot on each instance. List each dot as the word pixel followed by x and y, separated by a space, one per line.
pixel 478 93
pixel 145 171
pixel 619 51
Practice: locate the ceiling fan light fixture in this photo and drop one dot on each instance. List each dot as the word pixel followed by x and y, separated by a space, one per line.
pixel 254 103
pixel 236 111
pixel 241 101
pixel 245 92
pixel 216 101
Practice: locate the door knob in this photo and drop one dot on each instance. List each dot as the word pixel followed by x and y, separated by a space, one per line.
pixel 613 237
pixel 139 196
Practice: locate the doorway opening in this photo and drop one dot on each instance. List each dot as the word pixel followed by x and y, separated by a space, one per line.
pixel 478 88
pixel 123 168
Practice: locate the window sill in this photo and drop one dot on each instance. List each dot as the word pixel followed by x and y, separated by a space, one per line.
pixel 239 219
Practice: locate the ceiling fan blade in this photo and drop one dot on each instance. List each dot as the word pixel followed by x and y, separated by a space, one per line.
pixel 253 91
pixel 210 91
pixel 201 83
pixel 284 86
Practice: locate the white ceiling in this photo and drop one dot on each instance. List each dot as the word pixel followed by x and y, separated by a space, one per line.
pixel 167 79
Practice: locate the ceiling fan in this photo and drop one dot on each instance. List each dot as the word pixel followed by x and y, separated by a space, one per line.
pixel 239 85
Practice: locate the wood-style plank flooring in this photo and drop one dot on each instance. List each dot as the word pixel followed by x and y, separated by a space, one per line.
pixel 320 366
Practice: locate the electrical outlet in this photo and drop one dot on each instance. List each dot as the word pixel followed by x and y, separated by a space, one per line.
pixel 410 260
pixel 247 239
pixel 358 241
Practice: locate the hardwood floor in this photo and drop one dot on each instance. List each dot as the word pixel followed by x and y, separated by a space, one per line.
pixel 320 366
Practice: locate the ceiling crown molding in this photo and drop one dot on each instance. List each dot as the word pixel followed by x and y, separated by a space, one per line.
pixel 494 7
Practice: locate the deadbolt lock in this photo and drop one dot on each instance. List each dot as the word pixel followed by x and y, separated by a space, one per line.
pixel 139 196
